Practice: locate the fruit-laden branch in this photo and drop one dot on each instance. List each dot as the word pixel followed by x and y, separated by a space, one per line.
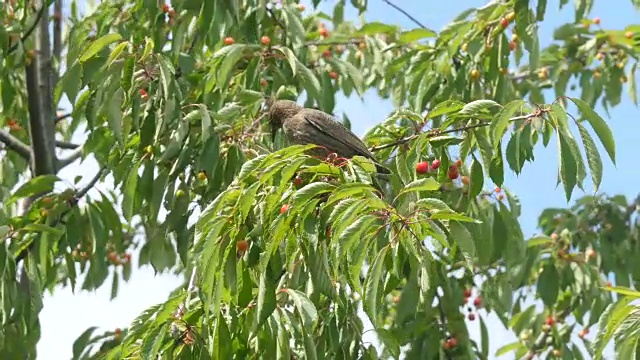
pixel 40 101
pixel 29 31
pixel 434 133
pixel 15 144
pixel 79 194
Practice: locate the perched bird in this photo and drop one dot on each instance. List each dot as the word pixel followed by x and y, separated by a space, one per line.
pixel 310 126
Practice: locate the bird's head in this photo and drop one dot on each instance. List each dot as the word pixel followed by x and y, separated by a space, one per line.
pixel 279 111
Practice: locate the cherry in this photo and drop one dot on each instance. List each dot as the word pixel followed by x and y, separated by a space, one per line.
pixel 422 167
pixel 435 164
pixel 265 40
pixel 333 75
pixel 453 172
pixel 242 246
pixel 284 208
pixel 229 40
pixel 504 23
pixel 467 293
pixel 471 316
pixel 550 321
pixel 477 301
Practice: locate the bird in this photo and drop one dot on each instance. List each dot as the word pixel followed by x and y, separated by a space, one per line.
pixel 304 126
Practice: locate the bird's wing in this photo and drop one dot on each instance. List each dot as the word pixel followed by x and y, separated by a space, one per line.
pixel 325 124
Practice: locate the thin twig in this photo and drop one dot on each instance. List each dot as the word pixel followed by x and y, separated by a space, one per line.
pixel 30 30
pixel 61 117
pixel 438 133
pixel 66 145
pixel 405 13
pixel 73 156
pixel 79 194
pixel 13 143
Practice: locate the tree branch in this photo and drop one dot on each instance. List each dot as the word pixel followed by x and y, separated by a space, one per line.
pixel 73 156
pixel 434 133
pixel 40 101
pixel 66 145
pixel 61 117
pixel 29 31
pixel 13 143
pixel 57 39
pixel 79 194
pixel 405 13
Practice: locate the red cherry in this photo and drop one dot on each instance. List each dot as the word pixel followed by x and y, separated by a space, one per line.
pixel 242 245
pixel 297 181
pixel 284 208
pixel 326 54
pixel 229 40
pixel 452 342
pixel 550 321
pixel 504 22
pixel 165 8
pixel 467 293
pixel 422 167
pixel 324 32
pixel 453 172
pixel 458 163
pixel 596 21
pixel 435 164
pixel 498 190
pixel 477 301
pixel 471 316
pixel 265 40
pixel 333 75
pixel 512 45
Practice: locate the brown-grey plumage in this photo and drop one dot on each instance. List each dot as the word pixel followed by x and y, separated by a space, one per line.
pixel 310 126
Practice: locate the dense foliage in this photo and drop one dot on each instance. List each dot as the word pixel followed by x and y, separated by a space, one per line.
pixel 280 250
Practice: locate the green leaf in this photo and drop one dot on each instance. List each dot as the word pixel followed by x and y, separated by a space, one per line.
pixel 477 178
pixel 266 302
pixel 509 348
pixel 114 115
pixel 115 53
pixel 632 84
pixel 599 126
pixel 568 166
pixel 291 58
pixel 445 107
pixel 38 185
pixel 415 35
pixel 593 157
pixel 310 191
pixel 462 237
pixel 499 126
pixel 426 184
pixel 624 291
pixel 541 240
pixel 82 341
pixel 305 308
pixel 43 228
pixel 374 28
pixel 549 284
pixel 231 55
pixel 476 106
pixel 372 285
pixel 98 45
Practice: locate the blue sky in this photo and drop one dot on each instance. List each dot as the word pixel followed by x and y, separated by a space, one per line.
pixel 66 316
